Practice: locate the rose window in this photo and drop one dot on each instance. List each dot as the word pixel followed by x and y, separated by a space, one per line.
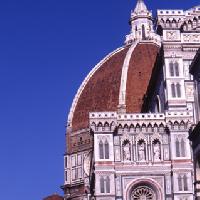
pixel 143 193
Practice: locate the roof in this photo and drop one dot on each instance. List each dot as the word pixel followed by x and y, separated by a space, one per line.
pixel 140 7
pixel 195 66
pixel 121 78
pixel 54 197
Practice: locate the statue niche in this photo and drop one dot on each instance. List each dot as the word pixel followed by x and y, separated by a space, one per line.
pixel 141 150
pixel 156 150
pixel 126 150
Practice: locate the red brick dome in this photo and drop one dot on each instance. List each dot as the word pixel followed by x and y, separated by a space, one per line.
pixel 121 78
pixel 54 197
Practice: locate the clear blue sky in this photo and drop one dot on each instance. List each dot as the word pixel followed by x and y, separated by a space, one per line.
pixel 47 47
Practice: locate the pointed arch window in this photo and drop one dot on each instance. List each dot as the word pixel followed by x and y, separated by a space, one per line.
pixel 101 150
pixel 171 68
pixel 182 182
pixel 179 183
pixel 174 69
pixel 173 90
pixel 106 149
pixel 177 148
pixel 102 188
pixel 182 147
pixel 185 183
pixel 178 88
pixel 143 32
pixel 105 185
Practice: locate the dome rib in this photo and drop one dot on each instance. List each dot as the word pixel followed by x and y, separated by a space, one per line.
pixel 125 68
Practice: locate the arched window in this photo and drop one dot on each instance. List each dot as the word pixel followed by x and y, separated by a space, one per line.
pixel 107 150
pixel 101 150
pixel 143 32
pixel 178 88
pixel 185 183
pixel 173 91
pixel 176 67
pixel 177 148
pixel 171 68
pixel 180 188
pixel 182 147
pixel 102 188
pixel 107 184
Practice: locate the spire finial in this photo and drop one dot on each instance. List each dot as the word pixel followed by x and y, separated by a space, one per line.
pixel 140 7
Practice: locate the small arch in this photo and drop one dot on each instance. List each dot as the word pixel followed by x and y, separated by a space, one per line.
pixel 195 22
pixel 106 126
pixel 174 23
pixel 100 126
pixel 126 128
pixel 143 127
pixel 176 125
pixel 182 125
pixel 149 128
pixel 120 128
pixel 156 127
pixel 168 23
pixel 185 26
pixel 132 128
pixel 112 126
pixel 137 128
pixel 190 25
pixel 93 126
pixel 161 128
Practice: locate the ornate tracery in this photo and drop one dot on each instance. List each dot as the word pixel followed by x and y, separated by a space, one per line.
pixel 143 193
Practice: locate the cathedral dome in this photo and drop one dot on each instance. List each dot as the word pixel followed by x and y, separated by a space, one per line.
pixel 119 82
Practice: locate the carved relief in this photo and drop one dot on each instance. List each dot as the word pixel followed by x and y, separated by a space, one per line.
pixel 87 161
pixel 172 35
pixel 190 92
pixel 191 37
